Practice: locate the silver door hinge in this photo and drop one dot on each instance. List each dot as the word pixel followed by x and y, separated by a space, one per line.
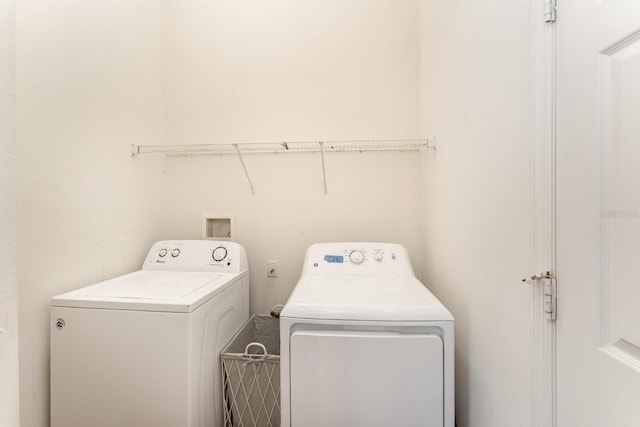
pixel 550 10
pixel 550 292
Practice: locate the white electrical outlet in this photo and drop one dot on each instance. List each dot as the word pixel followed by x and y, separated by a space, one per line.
pixel 272 268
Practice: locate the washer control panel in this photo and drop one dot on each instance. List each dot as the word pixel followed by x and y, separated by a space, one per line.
pixel 357 258
pixel 196 255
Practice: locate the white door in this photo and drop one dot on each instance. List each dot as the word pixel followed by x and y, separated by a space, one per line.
pixel 598 213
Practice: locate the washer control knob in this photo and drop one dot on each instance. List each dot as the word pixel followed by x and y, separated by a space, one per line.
pixel 175 252
pixel 219 253
pixel 356 257
pixel 162 253
pixel 378 256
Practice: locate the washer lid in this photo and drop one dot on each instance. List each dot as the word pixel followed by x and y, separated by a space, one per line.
pixel 167 291
pixel 376 298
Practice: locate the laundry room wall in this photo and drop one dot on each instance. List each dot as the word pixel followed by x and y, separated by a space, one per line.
pixel 9 409
pixel 477 86
pixel 291 70
pixel 94 77
pixel 371 197
pixel 89 84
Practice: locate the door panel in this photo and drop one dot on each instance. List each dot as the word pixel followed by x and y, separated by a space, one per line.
pixel 598 212
pixel 621 138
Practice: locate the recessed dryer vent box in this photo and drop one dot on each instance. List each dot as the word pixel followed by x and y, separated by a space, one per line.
pixel 217 226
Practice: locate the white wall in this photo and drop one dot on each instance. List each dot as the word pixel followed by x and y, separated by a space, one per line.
pixel 9 409
pixel 95 77
pixel 294 70
pixel 478 188
pixel 258 70
pixel 371 197
pixel 90 83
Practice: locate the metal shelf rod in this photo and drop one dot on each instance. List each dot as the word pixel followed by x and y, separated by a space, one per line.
pixel 284 147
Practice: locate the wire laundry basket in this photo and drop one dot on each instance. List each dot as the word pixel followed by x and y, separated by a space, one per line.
pixel 251 375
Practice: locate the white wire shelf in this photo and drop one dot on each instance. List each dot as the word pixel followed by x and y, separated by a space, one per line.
pixel 284 147
pixel 321 147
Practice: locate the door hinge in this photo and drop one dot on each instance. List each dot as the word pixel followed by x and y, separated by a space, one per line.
pixel 550 10
pixel 550 293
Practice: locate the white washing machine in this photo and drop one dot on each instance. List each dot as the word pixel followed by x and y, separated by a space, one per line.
pixel 364 343
pixel 143 349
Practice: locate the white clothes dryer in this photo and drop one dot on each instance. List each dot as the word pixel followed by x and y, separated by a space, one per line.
pixel 143 349
pixel 364 343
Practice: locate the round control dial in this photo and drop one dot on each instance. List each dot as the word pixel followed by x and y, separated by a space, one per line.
pixel 175 252
pixel 162 253
pixel 356 257
pixel 219 253
pixel 378 256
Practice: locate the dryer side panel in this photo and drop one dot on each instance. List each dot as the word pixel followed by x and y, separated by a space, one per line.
pixel 355 378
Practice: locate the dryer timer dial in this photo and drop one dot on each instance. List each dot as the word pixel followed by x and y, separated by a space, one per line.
pixel 356 257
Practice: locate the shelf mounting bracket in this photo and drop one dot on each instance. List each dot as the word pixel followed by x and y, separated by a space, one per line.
pixel 324 173
pixel 244 167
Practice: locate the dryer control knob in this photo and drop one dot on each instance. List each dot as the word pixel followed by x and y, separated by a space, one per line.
pixel 219 253
pixel 356 257
pixel 378 256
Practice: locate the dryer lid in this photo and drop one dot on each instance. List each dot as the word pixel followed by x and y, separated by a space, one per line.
pixel 368 298
pixel 169 291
